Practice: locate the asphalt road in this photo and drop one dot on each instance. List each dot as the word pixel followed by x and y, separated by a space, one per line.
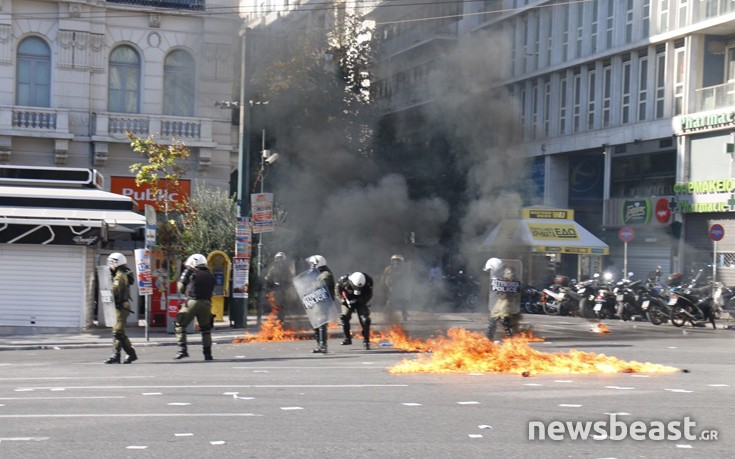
pixel 278 400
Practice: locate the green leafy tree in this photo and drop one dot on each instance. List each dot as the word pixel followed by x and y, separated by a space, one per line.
pixel 210 222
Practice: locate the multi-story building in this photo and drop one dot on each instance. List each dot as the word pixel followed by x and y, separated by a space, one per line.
pixel 624 112
pixel 77 76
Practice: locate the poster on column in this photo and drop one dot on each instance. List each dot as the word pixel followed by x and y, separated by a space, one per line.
pixel 261 205
pixel 240 277
pixel 143 269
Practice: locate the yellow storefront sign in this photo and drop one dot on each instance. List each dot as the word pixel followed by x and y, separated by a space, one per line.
pixel 551 232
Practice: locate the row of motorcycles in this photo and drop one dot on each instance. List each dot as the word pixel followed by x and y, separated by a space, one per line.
pixel 681 300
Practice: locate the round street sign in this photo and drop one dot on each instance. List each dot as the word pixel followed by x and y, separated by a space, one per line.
pixel 626 234
pixel 716 232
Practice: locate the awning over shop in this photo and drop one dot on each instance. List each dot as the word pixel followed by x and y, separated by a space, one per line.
pixel 545 236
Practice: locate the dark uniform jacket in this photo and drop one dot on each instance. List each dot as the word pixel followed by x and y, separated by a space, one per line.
pixel 344 288
pixel 197 283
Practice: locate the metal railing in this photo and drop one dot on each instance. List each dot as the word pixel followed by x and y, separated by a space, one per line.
pixel 172 4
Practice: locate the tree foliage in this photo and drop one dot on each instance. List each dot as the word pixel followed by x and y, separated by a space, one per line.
pixel 211 221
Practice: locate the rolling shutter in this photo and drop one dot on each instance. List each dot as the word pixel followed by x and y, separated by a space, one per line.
pixel 42 285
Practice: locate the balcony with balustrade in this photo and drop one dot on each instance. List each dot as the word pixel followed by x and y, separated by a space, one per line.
pixel 195 5
pixel 714 98
pixel 113 128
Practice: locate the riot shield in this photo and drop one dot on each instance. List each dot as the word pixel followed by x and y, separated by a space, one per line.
pixel 506 283
pixel 316 298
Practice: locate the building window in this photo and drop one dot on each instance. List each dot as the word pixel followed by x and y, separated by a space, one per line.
pixel 683 11
pixel 606 95
pixel 591 91
pixel 178 84
pixel 660 84
pixel 565 28
pixel 594 27
pixel 33 82
pixel 625 108
pixel 547 108
pixel 609 22
pixel 652 174
pixel 577 104
pixel 663 16
pixel 642 88
pixel 563 106
pixel 629 21
pixel 124 86
pixel 646 18
pixel 580 28
pixel 679 70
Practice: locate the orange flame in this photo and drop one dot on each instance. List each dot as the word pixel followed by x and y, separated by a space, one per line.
pixel 463 351
pixel 600 328
pixel 270 330
pixel 398 338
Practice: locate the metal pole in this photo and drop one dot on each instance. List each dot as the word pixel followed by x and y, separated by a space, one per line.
pixel 243 148
pixel 262 180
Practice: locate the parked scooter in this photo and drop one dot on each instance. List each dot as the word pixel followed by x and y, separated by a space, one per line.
pixel 561 298
pixel 628 297
pixel 605 300
pixel 587 291
pixel 531 301
pixel 655 300
pixel 693 303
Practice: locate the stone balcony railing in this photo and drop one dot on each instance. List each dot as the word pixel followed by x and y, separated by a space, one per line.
pixel 38 122
pixel 714 97
pixel 113 127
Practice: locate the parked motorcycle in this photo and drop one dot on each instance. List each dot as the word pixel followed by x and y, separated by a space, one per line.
pixel 628 297
pixel 693 303
pixel 587 291
pixel 605 299
pixel 655 300
pixel 561 298
pixel 465 289
pixel 531 301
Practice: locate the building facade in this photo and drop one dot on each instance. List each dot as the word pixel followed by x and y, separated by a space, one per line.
pixel 623 111
pixel 75 78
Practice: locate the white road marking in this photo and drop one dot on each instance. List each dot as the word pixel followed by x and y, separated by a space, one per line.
pixel 533 384
pixel 183 435
pixel 63 378
pixel 683 391
pixel 136 447
pixel 639 376
pixel 230 393
pixel 23 438
pixel 683 446
pixel 619 387
pixel 291 408
pixel 568 405
pixel 64 398
pixel 126 415
pixel 475 436
pixel 152 393
pixel 484 426
pixel 230 386
pixel 179 404
pixel 411 404
pixel 564 381
pixel 217 442
pixel 261 371
pixel 243 398
pixel 718 385
pixel 468 403
pixel 618 414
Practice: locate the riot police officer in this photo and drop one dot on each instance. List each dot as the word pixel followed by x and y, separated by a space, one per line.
pixel 325 274
pixel 197 282
pixel 506 310
pixel 122 279
pixel 278 281
pixel 396 288
pixel 355 291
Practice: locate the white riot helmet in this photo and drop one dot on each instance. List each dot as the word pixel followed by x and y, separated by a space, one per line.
pixel 116 259
pixel 357 279
pixel 397 258
pixel 280 256
pixel 492 265
pixel 195 260
pixel 317 261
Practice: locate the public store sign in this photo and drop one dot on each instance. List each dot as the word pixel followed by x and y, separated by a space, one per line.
pixel 143 195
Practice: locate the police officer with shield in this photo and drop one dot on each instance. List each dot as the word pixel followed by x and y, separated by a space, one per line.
pixel 122 278
pixel 505 296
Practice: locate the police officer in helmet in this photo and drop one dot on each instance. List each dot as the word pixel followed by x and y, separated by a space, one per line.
pixel 325 274
pixel 355 291
pixel 122 278
pixel 197 282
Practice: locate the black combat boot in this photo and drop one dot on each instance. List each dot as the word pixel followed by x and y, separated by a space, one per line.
pixel 207 353
pixel 182 352
pixel 114 358
pixel 132 356
pixel 366 345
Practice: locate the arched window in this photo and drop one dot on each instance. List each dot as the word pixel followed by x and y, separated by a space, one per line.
pixel 33 82
pixel 178 84
pixel 124 86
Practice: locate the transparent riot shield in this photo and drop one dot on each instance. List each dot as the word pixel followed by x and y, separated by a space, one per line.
pixel 105 302
pixel 506 283
pixel 316 298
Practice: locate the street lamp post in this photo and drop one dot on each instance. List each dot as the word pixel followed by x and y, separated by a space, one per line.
pixel 267 157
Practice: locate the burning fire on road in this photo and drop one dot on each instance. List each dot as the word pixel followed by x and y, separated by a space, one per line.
pixel 463 351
